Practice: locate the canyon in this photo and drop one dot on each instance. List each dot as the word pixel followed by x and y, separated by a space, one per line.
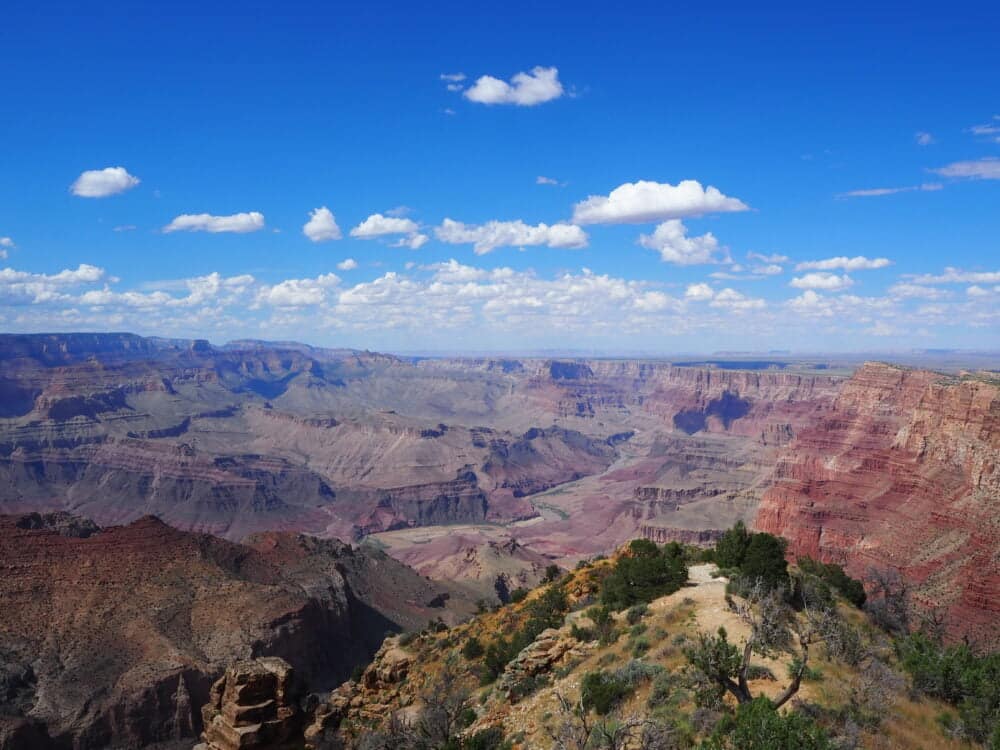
pixel 170 507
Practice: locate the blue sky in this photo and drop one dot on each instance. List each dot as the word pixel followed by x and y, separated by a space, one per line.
pixel 159 167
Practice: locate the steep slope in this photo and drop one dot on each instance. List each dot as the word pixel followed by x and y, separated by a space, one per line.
pixel 903 472
pixel 111 637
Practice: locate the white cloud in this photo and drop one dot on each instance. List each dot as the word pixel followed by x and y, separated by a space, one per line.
pixel 493 234
pixel 124 228
pixel 645 201
pixel 822 280
pixel 699 292
pixel 670 240
pixel 881 328
pixel 413 241
pixel 953 275
pixel 857 263
pixel 348 264
pixel 238 223
pixel 987 129
pixel 298 292
pixel 987 168
pixel 927 187
pixel 923 138
pixel 378 225
pixel 322 225
pixel 6 243
pixel 904 290
pixel 773 258
pixel 977 291
pixel 733 300
pixel 810 303
pixel 100 183
pixel 772 269
pixel 524 90
pixel 453 81
pixel 24 287
pixel 543 180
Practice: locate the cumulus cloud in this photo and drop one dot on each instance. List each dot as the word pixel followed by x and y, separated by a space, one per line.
pixel 413 242
pixel 237 223
pixel 857 263
pixel 923 138
pixel 298 292
pixel 737 301
pixel 100 183
pixel 524 90
pixel 822 280
pixel 378 225
pixel 6 243
pixel 347 264
pixel 699 292
pixel 671 241
pixel 322 225
pixel 644 201
pixel 24 287
pixel 987 168
pixel 493 234
pixel 926 187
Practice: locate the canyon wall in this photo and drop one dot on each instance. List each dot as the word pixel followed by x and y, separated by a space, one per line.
pixel 903 472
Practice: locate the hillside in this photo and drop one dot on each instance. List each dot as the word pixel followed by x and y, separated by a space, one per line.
pixel 424 684
pixel 113 636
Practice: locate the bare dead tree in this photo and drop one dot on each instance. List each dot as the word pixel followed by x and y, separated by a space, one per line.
pixel 444 703
pixel 888 602
pixel 575 728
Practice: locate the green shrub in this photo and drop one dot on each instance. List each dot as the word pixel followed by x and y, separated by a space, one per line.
pixel 850 588
pixel 636 630
pixel 487 739
pixel 732 547
pixel 602 691
pixel 959 676
pixel 765 560
pixel 640 647
pixel 636 613
pixel 552 572
pixel 518 595
pixel 407 638
pixel 811 674
pixel 582 634
pixel 757 726
pixel 472 649
pixel 645 573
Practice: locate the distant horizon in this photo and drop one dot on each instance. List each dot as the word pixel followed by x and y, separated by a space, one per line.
pixel 929 356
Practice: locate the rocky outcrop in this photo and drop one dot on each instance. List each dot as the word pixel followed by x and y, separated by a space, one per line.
pixel 552 647
pixel 665 534
pixel 253 706
pixel 903 471
pixel 141 619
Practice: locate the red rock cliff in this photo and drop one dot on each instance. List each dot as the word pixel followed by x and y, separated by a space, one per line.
pixel 903 472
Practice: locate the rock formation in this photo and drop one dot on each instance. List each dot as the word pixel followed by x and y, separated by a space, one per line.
pixel 253 706
pixel 902 472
